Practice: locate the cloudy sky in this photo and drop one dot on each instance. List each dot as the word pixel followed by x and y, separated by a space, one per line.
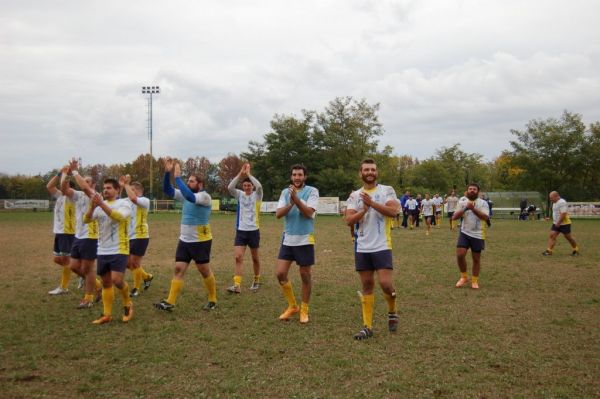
pixel 444 72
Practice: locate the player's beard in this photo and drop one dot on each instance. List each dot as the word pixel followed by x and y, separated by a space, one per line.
pixel 369 179
pixel 472 196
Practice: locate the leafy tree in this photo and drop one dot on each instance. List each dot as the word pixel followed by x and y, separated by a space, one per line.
pixel 228 168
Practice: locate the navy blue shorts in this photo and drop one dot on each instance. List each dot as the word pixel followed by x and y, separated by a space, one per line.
pixel 430 217
pixel 138 246
pixel 111 263
pixel 563 228
pixel 249 238
pixel 450 214
pixel 303 255
pixel 199 252
pixel 84 248
pixel 373 260
pixel 63 244
pixel 465 241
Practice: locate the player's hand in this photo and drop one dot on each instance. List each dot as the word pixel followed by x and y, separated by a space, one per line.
pixel 168 163
pixel 293 193
pixel 122 181
pixel 177 170
pixel 247 167
pixel 73 165
pixel 96 199
pixel 366 198
pixel 470 205
pixel 65 170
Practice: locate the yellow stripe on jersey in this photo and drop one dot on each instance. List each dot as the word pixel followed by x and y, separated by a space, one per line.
pixel 141 222
pixel 388 230
pixel 93 230
pixel 258 204
pixel 204 233
pixel 566 220
pixel 69 217
pixel 311 239
pixel 483 229
pixel 123 237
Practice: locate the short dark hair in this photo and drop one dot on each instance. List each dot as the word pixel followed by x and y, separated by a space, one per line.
pixel 112 182
pixel 199 179
pixel 297 167
pixel 369 161
pixel 247 180
pixel 474 185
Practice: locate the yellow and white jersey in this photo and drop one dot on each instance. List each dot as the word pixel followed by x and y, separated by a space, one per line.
pixel 373 233
pixel 114 237
pixel 437 203
pixel 64 214
pixel 248 206
pixel 558 208
pixel 451 203
pixel 82 204
pixel 138 224
pixel 471 224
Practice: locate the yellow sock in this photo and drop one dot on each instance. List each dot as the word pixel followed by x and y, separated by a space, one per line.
pixel 65 277
pixel 98 284
pixel 125 294
pixel 176 287
pixel 288 293
pixel 88 298
pixel 211 286
pixel 257 278
pixel 108 297
pixel 464 275
pixel 237 281
pixel 367 302
pixel 144 274
pixel 474 279
pixel 391 302
pixel 576 248
pixel 304 307
pixel 137 278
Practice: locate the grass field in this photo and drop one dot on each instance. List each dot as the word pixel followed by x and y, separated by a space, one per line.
pixel 533 330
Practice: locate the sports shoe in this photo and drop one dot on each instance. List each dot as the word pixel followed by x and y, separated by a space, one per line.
pixel 85 304
pixel 474 285
pixel 303 317
pixel 255 286
pixel 575 252
pixel 134 293
pixel 461 282
pixel 392 322
pixel 127 312
pixel 209 306
pixel 148 281
pixel 80 283
pixel 364 333
pixel 547 253
pixel 59 291
pixel 164 305
pixel 234 289
pixel 102 320
pixel 289 312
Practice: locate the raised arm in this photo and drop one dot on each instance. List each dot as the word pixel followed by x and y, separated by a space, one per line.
pixel 167 188
pixel 124 182
pixel 85 187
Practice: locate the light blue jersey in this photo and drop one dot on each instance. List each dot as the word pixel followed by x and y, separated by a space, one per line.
pixel 299 230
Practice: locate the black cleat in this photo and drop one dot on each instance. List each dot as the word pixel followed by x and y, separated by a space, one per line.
pixel 363 334
pixel 210 306
pixel 164 305
pixel 547 253
pixel 392 322
pixel 148 281
pixel 134 293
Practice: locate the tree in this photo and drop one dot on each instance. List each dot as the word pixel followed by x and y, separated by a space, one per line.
pixel 228 167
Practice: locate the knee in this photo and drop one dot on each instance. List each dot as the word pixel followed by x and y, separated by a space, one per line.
pixel 239 258
pixel 281 276
pixel 305 276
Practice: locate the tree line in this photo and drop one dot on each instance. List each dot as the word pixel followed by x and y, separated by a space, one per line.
pixel 548 154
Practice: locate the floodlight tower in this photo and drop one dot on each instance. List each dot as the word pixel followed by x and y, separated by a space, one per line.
pixel 150 90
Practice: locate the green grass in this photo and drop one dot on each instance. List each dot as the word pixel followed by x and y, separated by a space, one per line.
pixel 533 330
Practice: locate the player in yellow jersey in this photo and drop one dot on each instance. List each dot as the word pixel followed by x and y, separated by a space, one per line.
pixel 139 237
pixel 112 215
pixel 371 210
pixel 561 223
pixel 85 247
pixel 247 225
pixel 64 230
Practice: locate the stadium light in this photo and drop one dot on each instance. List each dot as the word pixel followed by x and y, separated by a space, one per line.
pixel 149 91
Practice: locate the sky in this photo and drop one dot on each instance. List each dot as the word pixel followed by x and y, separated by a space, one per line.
pixel 443 72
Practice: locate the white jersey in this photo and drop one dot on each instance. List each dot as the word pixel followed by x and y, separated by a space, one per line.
pixel 437 203
pixel 451 203
pixel 427 205
pixel 471 224
pixel 138 223
pixel 248 207
pixel 64 214
pixel 114 237
pixel 373 231
pixel 195 217
pixel 82 205
pixel 559 207
pixel 411 204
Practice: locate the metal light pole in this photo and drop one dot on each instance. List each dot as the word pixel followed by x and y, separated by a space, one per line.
pixel 150 90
